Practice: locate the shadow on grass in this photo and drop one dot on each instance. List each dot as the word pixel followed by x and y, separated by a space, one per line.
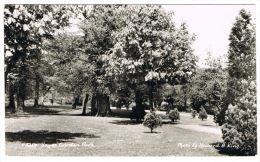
pixel 119 113
pixel 30 111
pixel 134 122
pixel 226 150
pixel 209 125
pixel 43 136
pixel 63 110
pixel 43 111
pixel 126 122
pixel 170 122
pixel 153 132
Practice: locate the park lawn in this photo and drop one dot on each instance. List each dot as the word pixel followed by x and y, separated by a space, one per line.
pixel 69 134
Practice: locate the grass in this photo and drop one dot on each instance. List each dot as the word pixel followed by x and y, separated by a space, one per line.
pixel 66 133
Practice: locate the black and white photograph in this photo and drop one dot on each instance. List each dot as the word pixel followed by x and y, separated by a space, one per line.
pixel 129 80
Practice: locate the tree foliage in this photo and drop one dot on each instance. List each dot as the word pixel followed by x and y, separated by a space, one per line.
pixel 73 71
pixel 149 50
pixel 101 22
pixel 25 28
pixel 208 85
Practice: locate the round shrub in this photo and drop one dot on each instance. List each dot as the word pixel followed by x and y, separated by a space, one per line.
pixel 152 121
pixel 194 113
pixel 203 114
pixel 174 115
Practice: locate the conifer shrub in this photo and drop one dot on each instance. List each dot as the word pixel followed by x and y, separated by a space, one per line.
pixel 203 114
pixel 174 115
pixel 152 121
pixel 240 130
pixel 240 117
pixel 194 113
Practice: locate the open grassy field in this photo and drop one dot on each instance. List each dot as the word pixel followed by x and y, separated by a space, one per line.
pixel 61 131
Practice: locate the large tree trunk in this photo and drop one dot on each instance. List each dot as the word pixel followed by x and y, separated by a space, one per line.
pixel 36 97
pixel 11 104
pixel 20 100
pixel 94 105
pixel 100 105
pixel 75 101
pixel 138 98
pixel 19 108
pixel 185 96
pixel 151 88
pixel 84 105
pixel 107 110
pixel 138 112
pixel 21 95
pixel 103 105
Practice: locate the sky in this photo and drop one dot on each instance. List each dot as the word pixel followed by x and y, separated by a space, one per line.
pixel 211 24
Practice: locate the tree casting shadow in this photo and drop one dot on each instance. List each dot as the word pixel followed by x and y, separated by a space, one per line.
pixel 44 136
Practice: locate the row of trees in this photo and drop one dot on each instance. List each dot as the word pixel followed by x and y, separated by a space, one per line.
pixel 121 48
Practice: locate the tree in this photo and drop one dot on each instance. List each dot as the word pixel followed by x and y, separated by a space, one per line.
pixel 203 114
pixel 73 71
pixel 25 27
pixel 198 88
pixel 217 84
pixel 174 115
pixel 239 129
pixel 152 121
pixel 194 113
pixel 149 50
pixel 208 85
pixel 102 21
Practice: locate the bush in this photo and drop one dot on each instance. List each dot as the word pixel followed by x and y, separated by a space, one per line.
pixel 240 129
pixel 174 115
pixel 152 121
pixel 203 114
pixel 194 113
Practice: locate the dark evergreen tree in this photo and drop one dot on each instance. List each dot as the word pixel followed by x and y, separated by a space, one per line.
pixel 239 129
